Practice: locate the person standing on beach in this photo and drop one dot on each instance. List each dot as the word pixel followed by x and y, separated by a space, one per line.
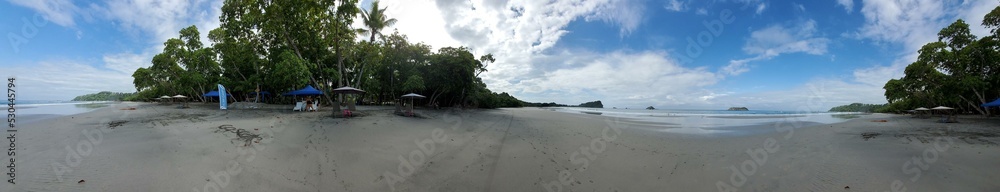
pixel 309 103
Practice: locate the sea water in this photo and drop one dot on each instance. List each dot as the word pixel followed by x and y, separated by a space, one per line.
pixel 715 121
pixel 34 110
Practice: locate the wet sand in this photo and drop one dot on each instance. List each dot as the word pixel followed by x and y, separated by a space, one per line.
pixel 162 148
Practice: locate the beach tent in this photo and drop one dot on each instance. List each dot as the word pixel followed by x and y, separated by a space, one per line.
pixel 164 99
pixel 949 118
pixel 308 90
pixel 995 103
pixel 412 96
pixel 184 105
pixel 920 112
pixel 211 94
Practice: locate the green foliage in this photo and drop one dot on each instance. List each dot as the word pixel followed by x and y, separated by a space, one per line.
pixel 550 104
pixel 958 70
pixel 103 96
pixel 279 46
pixel 592 104
pixel 376 20
pixel 289 73
pixel 858 107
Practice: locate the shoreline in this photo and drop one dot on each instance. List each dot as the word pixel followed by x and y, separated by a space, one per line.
pixel 521 149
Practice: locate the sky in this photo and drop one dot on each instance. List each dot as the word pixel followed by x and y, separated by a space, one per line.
pixel 676 54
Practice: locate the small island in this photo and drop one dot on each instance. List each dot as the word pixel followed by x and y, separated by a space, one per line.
pixel 650 108
pixel 738 109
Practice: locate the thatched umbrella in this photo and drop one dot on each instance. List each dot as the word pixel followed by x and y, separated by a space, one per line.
pixel 412 96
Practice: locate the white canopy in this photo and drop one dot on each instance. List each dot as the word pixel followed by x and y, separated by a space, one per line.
pixel 942 108
pixel 179 96
pixel 413 95
pixel 922 109
pixel 348 90
pixel 164 97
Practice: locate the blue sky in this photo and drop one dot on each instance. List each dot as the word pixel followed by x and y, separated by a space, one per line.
pixel 784 55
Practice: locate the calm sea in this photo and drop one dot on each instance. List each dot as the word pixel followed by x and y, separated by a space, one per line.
pixel 33 110
pixel 715 121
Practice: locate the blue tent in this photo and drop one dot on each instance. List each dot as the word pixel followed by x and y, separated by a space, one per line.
pixel 309 90
pixel 211 94
pixel 995 103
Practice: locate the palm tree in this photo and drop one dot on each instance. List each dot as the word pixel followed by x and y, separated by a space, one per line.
pixel 375 20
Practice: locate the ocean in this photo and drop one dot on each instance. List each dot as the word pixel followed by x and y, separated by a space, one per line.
pixel 28 111
pixel 714 121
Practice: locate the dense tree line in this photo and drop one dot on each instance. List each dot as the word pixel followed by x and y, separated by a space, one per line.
pixel 857 107
pixel 550 104
pixel 280 46
pixel 959 70
pixel 592 104
pixel 103 96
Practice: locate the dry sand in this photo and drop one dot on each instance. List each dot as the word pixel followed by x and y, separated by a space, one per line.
pixel 161 148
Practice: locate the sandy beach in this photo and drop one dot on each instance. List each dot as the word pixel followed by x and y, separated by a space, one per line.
pixel 161 148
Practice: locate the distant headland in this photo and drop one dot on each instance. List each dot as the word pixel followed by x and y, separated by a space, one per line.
pixel 738 109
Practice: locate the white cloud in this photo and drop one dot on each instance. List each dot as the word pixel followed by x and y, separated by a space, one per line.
pixel 60 12
pixel 163 19
pixel 847 4
pixel 625 13
pixel 813 95
pixel 701 11
pixel 127 63
pixel 63 79
pixel 150 21
pixel 974 15
pixel 910 23
pixel 625 78
pixel 674 5
pixel 775 40
pixel 760 8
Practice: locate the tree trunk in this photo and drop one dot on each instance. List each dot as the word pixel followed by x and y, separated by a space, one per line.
pixel 973 105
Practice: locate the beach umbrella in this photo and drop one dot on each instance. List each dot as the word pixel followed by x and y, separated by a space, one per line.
pixel 942 108
pixel 412 96
pixel 921 109
pixel 181 97
pixel 162 98
pixel 348 90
